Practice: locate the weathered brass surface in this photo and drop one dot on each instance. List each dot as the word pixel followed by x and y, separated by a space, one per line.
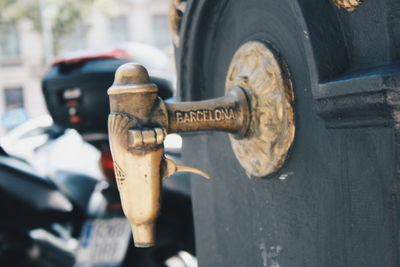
pixel 259 119
pixel 271 132
pixel 349 5
pixel 176 9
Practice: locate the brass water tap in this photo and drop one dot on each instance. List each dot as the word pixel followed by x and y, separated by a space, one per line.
pixel 138 124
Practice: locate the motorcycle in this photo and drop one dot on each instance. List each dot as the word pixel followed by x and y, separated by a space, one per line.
pixel 40 223
pixel 72 219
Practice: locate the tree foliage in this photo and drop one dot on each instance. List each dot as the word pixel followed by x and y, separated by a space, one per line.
pixel 63 15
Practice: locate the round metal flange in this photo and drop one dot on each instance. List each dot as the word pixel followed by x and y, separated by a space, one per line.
pixel 255 68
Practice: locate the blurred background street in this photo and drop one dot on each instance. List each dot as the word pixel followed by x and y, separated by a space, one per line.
pixel 35 33
pixel 57 60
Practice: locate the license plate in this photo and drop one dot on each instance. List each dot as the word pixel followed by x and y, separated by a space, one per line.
pixel 103 242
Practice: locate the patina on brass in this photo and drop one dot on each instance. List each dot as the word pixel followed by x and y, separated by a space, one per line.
pixel 256 111
pixel 271 132
pixel 349 5
pixel 176 10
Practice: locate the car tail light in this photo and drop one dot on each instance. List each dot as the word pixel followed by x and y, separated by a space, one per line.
pixel 107 164
pixel 77 59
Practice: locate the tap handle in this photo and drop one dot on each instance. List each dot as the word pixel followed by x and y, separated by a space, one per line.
pixel 155 137
pixel 169 167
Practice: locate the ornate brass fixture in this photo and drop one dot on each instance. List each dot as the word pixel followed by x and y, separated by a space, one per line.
pixel 349 5
pixel 271 133
pixel 256 111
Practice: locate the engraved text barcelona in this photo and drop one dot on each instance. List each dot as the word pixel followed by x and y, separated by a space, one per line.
pixel 218 114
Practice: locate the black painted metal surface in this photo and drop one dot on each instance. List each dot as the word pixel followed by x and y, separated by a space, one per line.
pixel 336 200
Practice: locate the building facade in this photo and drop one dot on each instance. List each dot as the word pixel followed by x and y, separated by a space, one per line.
pixel 23 57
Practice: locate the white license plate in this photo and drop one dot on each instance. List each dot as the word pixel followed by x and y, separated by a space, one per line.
pixel 103 242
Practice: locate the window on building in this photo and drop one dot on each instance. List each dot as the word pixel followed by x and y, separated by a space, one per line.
pixel 14 98
pixel 15 113
pixel 119 29
pixel 9 43
pixel 161 37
